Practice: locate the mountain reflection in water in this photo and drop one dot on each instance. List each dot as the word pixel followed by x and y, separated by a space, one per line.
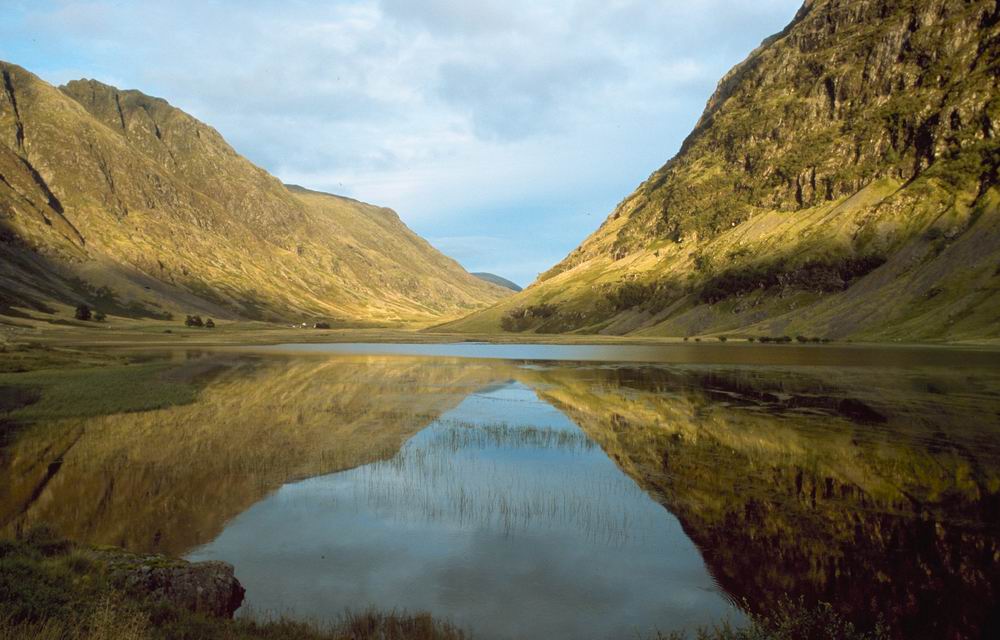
pixel 459 485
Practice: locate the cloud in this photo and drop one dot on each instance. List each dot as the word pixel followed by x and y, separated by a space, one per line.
pixel 509 119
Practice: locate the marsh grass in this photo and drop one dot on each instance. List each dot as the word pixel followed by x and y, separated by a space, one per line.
pixel 51 589
pixel 791 620
pixel 95 391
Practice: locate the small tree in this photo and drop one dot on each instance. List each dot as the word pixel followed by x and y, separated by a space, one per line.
pixel 209 324
pixel 194 321
pixel 100 316
pixel 82 312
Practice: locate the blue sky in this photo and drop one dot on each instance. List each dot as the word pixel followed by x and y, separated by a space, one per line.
pixel 503 131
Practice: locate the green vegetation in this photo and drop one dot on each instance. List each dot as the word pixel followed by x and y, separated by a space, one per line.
pixel 811 168
pixel 823 276
pixel 49 394
pixel 82 312
pixel 522 318
pixel 180 183
pixel 631 294
pixel 792 620
pixel 51 589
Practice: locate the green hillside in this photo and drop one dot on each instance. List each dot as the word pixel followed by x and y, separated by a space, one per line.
pixel 118 200
pixel 842 182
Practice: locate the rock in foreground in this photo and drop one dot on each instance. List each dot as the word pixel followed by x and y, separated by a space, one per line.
pixel 201 587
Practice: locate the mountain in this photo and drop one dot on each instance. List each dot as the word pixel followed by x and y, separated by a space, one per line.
pixel 497 280
pixel 119 200
pixel 842 182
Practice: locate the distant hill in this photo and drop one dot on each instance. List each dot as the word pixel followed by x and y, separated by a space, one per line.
pixel 497 280
pixel 119 200
pixel 842 182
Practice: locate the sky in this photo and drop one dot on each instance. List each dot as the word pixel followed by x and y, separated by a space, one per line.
pixel 503 131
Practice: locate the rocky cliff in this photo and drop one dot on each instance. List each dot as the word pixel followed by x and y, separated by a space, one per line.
pixel 121 201
pixel 842 181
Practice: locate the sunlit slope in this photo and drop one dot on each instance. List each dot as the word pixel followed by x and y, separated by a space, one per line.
pixel 108 188
pixel 168 480
pixel 841 182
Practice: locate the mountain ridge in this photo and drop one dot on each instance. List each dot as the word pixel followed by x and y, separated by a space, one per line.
pixel 498 280
pixel 119 200
pixel 842 182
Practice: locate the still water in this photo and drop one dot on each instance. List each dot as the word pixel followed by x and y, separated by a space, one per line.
pixel 555 492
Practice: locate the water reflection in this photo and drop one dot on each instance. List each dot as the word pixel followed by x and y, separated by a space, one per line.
pixel 513 531
pixel 169 480
pixel 462 486
pixel 878 491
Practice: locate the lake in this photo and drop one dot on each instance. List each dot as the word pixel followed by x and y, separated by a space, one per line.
pixel 554 491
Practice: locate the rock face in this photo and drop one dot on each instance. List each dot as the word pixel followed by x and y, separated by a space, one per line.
pixel 201 587
pixel 842 181
pixel 118 200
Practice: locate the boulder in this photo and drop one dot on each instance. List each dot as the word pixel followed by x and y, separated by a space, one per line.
pixel 203 587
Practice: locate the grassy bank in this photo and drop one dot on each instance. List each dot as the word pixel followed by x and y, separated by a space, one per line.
pixel 49 394
pixel 51 589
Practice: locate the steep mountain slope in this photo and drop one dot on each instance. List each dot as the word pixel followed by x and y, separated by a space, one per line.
pixel 495 279
pixel 118 199
pixel 841 182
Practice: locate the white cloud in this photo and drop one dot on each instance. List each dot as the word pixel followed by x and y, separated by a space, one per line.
pixel 477 118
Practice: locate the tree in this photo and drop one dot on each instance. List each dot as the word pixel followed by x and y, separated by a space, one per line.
pixel 100 316
pixel 210 324
pixel 82 312
pixel 194 321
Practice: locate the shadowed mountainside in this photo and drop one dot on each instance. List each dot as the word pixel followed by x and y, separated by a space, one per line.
pixel 842 182
pixel 881 498
pixel 121 201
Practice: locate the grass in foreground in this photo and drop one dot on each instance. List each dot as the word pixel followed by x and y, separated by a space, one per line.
pixel 51 589
pixel 48 394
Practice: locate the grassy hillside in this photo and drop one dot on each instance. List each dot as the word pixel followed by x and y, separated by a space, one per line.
pixel 842 182
pixel 120 201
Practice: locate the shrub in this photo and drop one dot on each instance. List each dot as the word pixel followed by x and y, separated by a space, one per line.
pixel 723 338
pixel 815 275
pixel 210 324
pixel 100 316
pixel 82 312
pixel 194 321
pixel 630 294
pixel 321 325
pixel 521 318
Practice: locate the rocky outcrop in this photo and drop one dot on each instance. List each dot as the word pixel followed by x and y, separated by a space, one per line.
pixel 201 587
pixel 864 133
